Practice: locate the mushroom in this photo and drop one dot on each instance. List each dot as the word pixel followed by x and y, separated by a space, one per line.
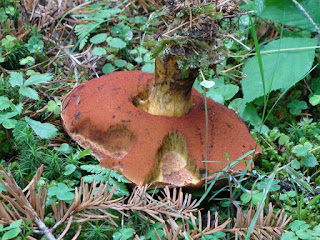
pixel 110 116
pixel 152 127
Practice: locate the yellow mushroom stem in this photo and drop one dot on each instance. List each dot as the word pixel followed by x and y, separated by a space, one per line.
pixel 170 94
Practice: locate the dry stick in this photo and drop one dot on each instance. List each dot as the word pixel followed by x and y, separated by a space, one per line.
pixel 44 230
pixel 77 233
pixel 75 61
pixel 307 15
pixel 238 41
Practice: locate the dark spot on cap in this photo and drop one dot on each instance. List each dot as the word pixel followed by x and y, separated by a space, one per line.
pixel 77 115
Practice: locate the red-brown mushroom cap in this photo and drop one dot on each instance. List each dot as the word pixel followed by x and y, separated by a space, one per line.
pixel 100 115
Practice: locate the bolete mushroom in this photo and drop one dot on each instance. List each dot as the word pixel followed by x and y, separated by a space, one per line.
pixel 152 127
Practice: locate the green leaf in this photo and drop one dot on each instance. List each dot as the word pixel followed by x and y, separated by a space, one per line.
pixel 99 51
pixel 310 160
pixel 43 130
pixel 281 69
pixel 9 123
pixel 124 233
pixel 54 107
pixel 64 147
pixel 16 79
pixel 251 115
pixel 70 168
pixel 13 225
pixel 11 234
pixel 297 106
pixel 2 188
pixel 298 225
pixel 283 139
pixel 295 164
pixel 28 60
pixel 38 78
pixel 257 197
pixel 264 184
pixel 148 67
pixel 289 236
pixel 238 105
pixel 83 153
pixel 29 92
pixel 315 85
pixel 6 115
pixel 314 100
pixel 3 16
pixel 8 42
pixel 245 198
pixel 108 68
pixel 99 38
pixel 4 103
pixel 62 191
pixel 223 92
pixel 302 150
pixel 120 63
pixel 117 43
pixel 305 234
pixel 286 12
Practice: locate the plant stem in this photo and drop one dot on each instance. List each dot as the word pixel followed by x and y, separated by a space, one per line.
pixel 207 131
pixel 170 94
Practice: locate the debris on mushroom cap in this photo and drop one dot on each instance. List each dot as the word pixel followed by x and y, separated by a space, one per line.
pixel 100 115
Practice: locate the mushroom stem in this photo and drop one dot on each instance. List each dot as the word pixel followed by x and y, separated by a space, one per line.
pixel 170 94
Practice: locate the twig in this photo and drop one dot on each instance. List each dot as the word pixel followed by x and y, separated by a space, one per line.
pixel 75 61
pixel 4 70
pixel 77 233
pixel 238 41
pixel 229 69
pixel 307 15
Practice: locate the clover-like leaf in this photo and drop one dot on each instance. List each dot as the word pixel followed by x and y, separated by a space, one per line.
pixel 124 233
pixel 274 186
pixel 70 168
pixel 116 43
pixel 99 51
pixel 54 106
pixel 298 225
pixel 297 106
pixel 289 236
pixel 62 192
pixel 108 68
pixel 295 164
pixel 120 63
pixel 309 160
pixel 148 67
pixel 302 150
pixel 64 147
pixel 99 38
pixel 314 100
pixel 254 196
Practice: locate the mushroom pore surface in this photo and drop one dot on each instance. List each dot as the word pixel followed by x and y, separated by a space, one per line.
pixel 146 148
